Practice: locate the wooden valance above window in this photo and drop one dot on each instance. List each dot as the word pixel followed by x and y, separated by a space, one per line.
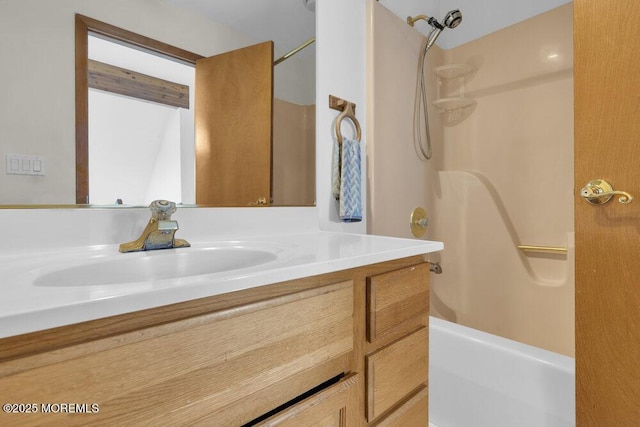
pixel 137 85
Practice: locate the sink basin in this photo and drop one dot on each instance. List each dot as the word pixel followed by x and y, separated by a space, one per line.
pixel 155 265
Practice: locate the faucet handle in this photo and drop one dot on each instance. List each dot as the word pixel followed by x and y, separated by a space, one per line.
pixel 162 209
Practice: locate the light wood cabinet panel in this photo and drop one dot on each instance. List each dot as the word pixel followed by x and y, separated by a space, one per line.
pixel 397 301
pixel 229 366
pixel 414 412
pixel 394 371
pixel 327 408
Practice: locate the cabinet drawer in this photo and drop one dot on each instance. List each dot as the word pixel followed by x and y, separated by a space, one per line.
pixel 413 412
pixel 327 408
pixel 395 371
pixel 201 369
pixel 397 301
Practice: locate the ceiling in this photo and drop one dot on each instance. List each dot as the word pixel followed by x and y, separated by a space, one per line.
pixel 288 23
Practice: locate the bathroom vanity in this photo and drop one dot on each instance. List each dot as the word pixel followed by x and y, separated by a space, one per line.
pixel 332 331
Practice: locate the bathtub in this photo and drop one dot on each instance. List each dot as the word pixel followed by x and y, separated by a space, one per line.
pixel 478 379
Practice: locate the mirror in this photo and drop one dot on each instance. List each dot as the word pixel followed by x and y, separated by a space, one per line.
pixel 37 124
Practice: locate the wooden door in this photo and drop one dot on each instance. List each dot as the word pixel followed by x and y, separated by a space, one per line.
pixel 607 146
pixel 233 116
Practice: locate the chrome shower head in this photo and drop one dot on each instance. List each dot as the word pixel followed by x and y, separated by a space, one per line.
pixel 453 18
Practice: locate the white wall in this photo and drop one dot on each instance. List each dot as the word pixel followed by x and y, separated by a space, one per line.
pixel 341 47
pixel 123 158
pixel 165 179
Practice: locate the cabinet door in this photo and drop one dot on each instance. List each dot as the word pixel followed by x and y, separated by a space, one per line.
pixel 397 302
pixel 327 408
pixel 395 371
pixel 414 412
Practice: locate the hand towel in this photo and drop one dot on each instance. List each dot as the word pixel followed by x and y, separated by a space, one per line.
pixel 335 170
pixel 350 188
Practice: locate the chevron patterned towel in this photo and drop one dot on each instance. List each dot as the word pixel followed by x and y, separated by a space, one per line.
pixel 335 170
pixel 350 194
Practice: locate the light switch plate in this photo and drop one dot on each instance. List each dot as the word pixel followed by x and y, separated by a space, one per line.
pixel 22 164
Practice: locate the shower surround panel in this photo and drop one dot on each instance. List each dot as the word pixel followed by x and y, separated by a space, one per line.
pixel 502 177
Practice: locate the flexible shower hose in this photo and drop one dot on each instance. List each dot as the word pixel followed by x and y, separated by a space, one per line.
pixel 421 104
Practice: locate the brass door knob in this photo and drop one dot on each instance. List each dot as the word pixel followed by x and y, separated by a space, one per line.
pixel 599 192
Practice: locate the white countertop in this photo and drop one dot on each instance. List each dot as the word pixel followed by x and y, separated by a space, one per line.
pixel 26 306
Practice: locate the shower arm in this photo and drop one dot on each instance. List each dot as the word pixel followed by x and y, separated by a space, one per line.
pixel 435 30
pixel 412 20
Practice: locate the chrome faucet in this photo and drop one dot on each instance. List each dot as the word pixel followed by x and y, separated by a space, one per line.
pixel 159 232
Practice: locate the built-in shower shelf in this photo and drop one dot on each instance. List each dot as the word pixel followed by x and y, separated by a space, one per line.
pixel 452 103
pixel 454 71
pixel 454 110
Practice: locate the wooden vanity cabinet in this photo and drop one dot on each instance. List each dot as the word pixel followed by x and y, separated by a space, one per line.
pixel 239 357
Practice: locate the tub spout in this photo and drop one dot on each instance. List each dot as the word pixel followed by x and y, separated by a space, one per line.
pixel 159 232
pixel 435 267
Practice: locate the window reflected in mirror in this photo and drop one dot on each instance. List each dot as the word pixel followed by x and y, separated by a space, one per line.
pixel 140 126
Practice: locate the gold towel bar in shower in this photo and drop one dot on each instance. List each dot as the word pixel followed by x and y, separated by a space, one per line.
pixel 294 51
pixel 542 249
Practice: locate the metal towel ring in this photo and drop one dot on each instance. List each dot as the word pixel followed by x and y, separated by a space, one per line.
pixel 348 114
